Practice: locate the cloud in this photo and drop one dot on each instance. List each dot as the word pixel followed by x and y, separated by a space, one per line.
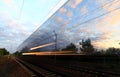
pixel 65 23
pixel 13 24
pixel 8 2
pixel 83 10
pixel 100 37
pixel 63 10
pixel 101 1
pixel 69 14
pixel 106 35
pixel 111 5
pixel 74 3
pixel 59 19
pixel 12 32
pixel 108 21
pixel 101 30
pixel 11 4
pixel 53 10
pixel 106 44
pixel 106 40
pixel 111 20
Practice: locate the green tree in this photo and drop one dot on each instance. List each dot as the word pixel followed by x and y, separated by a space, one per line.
pixel 3 51
pixel 70 47
pixel 17 53
pixel 112 51
pixel 99 52
pixel 25 49
pixel 87 47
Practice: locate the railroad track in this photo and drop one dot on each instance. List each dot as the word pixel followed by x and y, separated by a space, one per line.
pixel 88 70
pixel 35 71
pixel 94 71
pixel 78 69
pixel 65 72
pixel 75 68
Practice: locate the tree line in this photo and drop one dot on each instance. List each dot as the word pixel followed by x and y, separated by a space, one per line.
pixel 88 48
pixel 85 48
pixel 3 52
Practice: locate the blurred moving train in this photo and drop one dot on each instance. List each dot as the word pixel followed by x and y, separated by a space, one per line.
pixel 52 53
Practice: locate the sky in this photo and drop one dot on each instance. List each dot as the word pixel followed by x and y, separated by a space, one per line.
pixel 20 18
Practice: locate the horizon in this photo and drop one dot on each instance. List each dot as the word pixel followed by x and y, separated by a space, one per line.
pixel 103 31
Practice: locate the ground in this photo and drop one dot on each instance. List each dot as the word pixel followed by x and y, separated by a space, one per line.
pixel 9 68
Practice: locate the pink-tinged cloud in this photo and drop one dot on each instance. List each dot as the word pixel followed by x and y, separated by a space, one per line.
pixel 111 5
pixel 11 5
pixel 106 44
pixel 101 1
pixel 69 14
pixel 110 20
pixel 107 40
pixel 63 10
pixel 13 24
pixel 114 17
pixel 106 35
pixel 59 19
pixel 74 3
pixel 83 10
pixel 65 23
pixel 8 2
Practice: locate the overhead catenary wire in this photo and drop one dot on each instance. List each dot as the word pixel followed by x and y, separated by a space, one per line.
pixel 83 15
pixel 100 8
pixel 92 12
pixel 40 26
pixel 95 9
pixel 99 16
pixel 73 27
pixel 20 13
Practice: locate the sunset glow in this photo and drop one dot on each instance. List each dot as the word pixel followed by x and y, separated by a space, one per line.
pixel 31 24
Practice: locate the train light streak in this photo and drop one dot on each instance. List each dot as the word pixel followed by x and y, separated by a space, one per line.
pixel 50 53
pixel 41 46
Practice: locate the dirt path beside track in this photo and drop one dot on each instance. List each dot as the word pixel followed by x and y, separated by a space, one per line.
pixel 9 68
